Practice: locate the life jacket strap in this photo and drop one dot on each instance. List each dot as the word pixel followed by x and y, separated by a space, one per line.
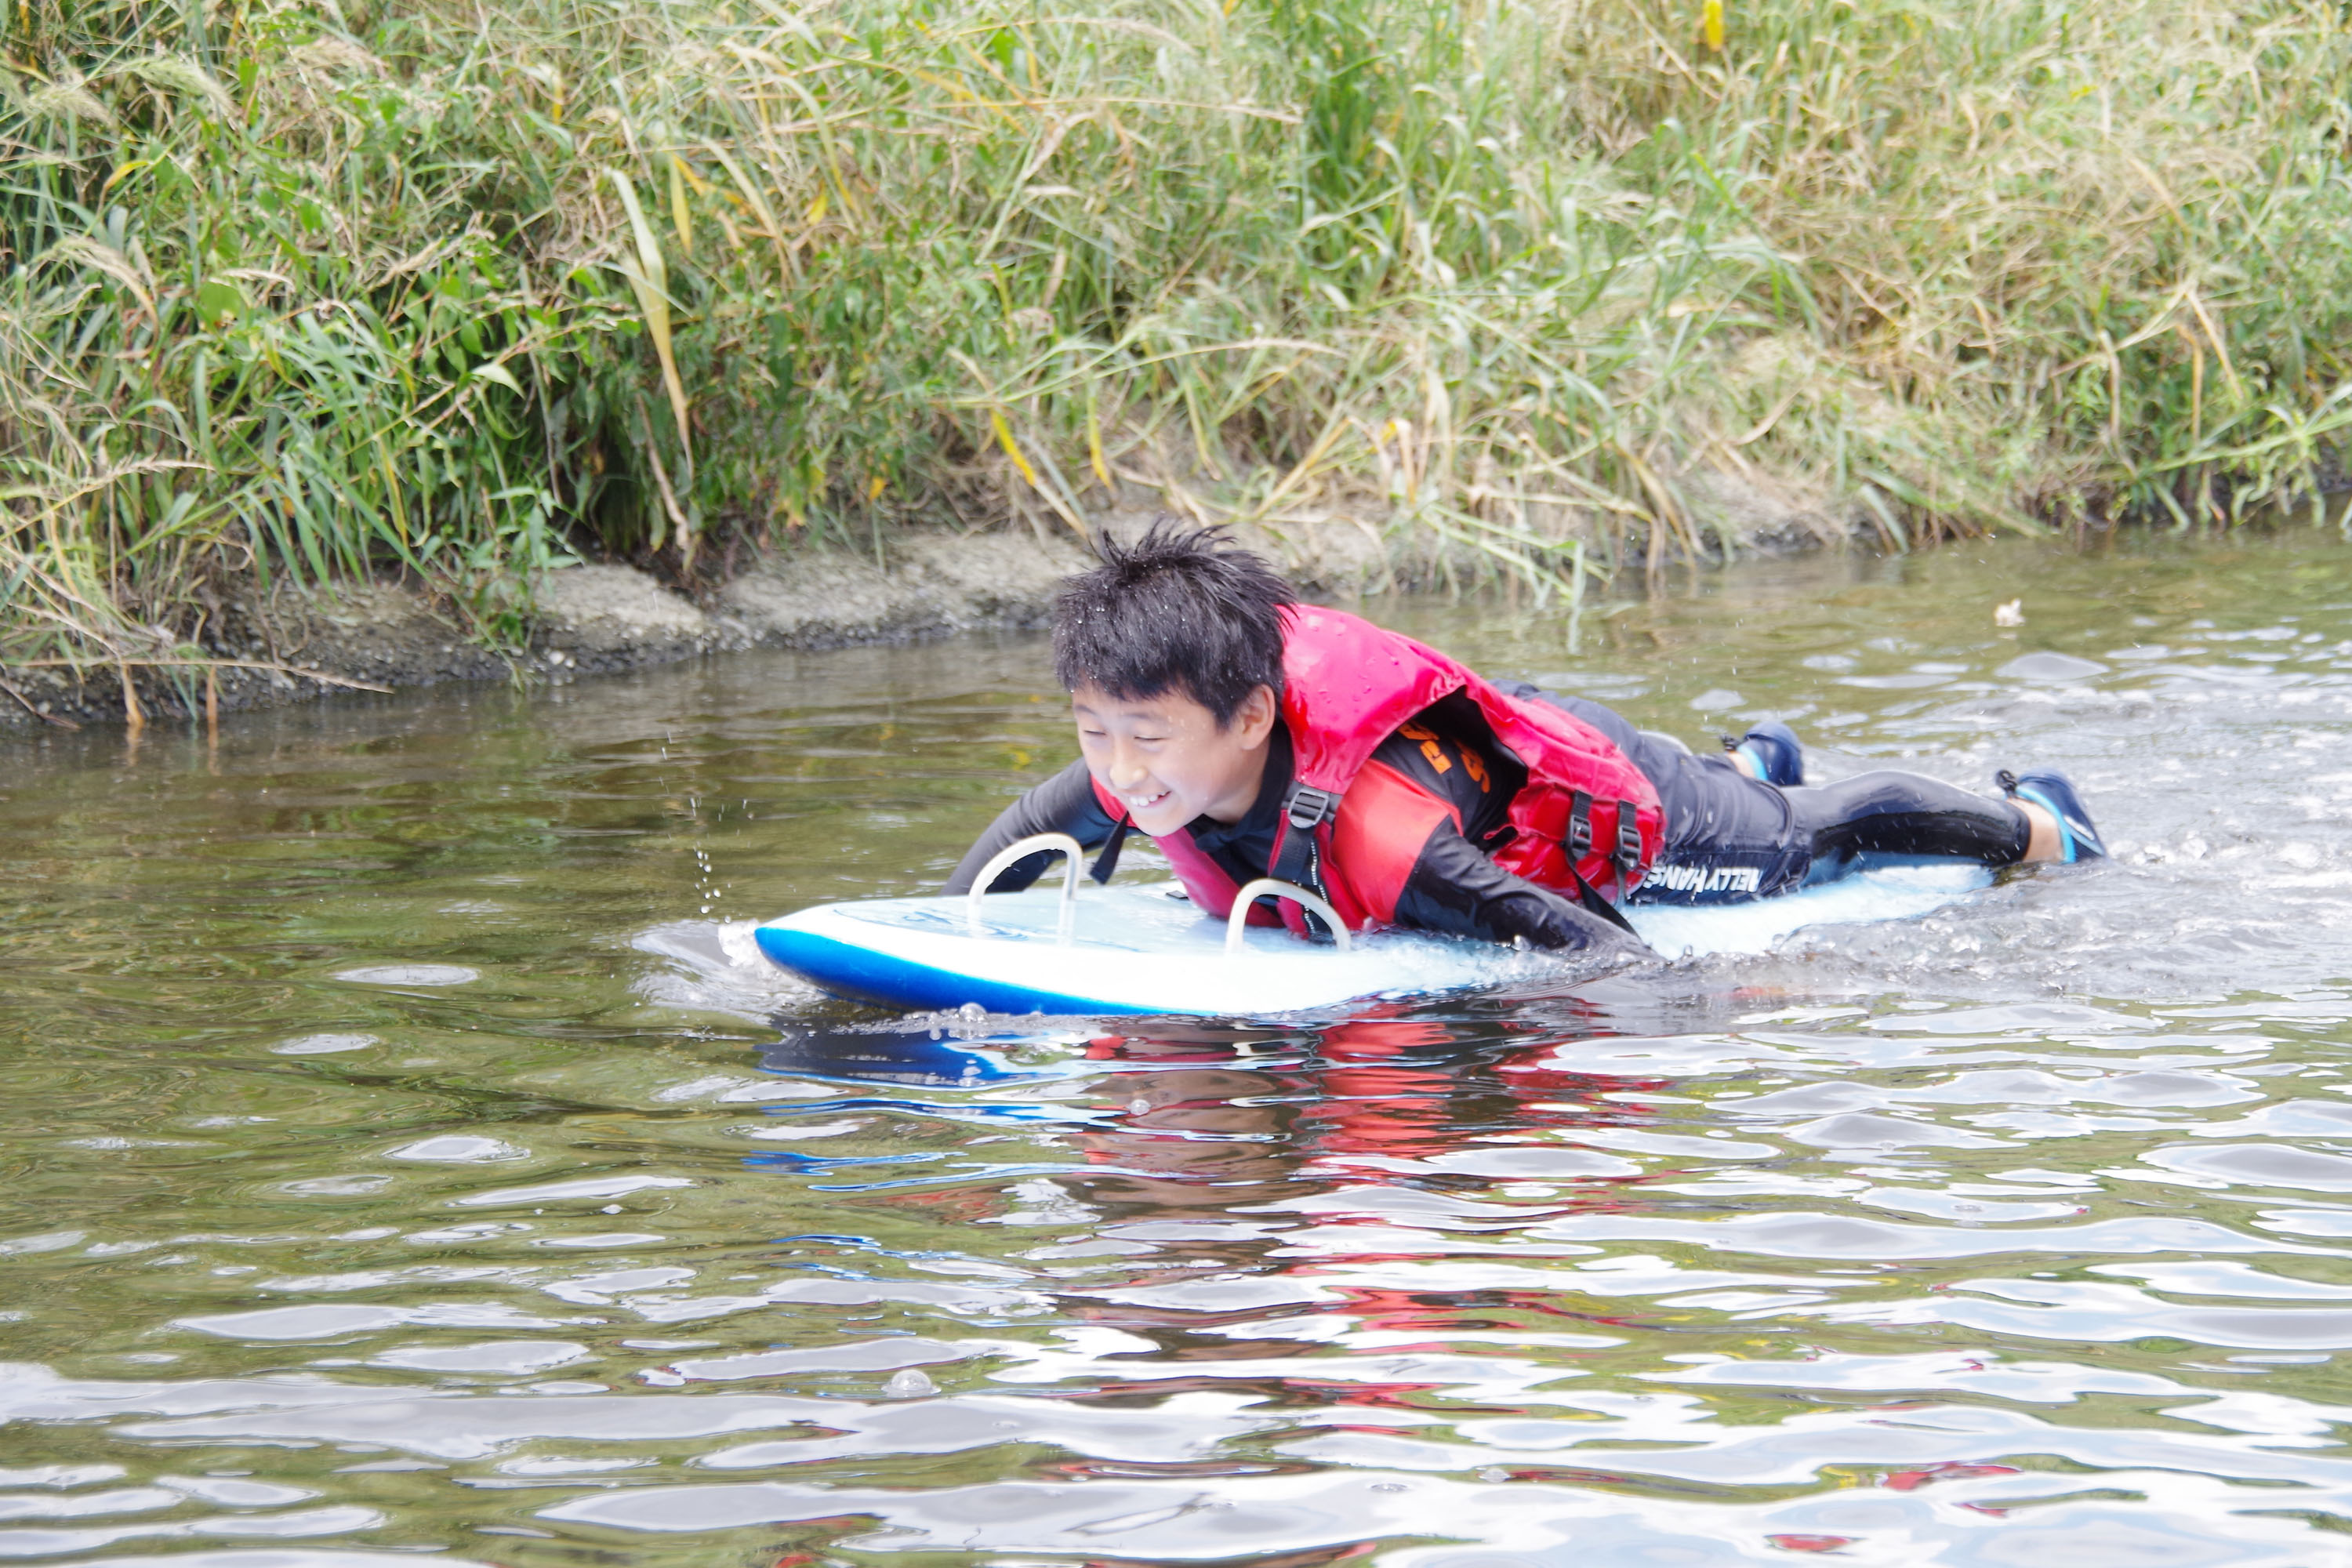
pixel 1592 898
pixel 1629 842
pixel 1297 857
pixel 1580 825
pixel 1107 863
pixel 1579 843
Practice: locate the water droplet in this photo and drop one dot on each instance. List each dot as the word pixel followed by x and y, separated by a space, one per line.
pixel 913 1383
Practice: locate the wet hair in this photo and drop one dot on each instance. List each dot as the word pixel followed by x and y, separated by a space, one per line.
pixel 1180 609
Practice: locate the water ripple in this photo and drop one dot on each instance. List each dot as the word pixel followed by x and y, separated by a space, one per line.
pixel 2015 1233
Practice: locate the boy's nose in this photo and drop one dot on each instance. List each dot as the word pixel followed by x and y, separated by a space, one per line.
pixel 1127 769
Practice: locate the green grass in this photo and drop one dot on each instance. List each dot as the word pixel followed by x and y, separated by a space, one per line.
pixel 298 291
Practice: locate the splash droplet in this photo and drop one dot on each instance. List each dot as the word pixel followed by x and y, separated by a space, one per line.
pixel 912 1383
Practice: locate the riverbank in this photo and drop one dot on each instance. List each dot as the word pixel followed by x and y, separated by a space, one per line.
pixel 318 293
pixel 301 644
pixel 297 644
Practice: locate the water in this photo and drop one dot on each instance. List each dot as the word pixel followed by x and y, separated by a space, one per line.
pixel 405 1160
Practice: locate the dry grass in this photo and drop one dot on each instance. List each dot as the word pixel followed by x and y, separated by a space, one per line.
pixel 316 293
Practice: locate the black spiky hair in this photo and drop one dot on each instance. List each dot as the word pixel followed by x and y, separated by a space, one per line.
pixel 1180 608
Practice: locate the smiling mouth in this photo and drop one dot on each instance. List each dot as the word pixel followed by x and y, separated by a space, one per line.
pixel 1146 802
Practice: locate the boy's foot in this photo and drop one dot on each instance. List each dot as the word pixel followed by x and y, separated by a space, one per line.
pixel 2054 793
pixel 1769 751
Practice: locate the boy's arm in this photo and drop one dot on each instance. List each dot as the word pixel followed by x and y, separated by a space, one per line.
pixel 1455 889
pixel 1063 804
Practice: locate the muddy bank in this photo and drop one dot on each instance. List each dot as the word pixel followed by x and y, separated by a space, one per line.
pixel 291 646
pixel 601 618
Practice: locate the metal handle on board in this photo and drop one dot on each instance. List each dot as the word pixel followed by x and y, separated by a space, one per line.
pixel 1238 920
pixel 1071 851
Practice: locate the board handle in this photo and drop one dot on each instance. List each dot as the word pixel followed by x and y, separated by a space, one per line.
pixel 1237 921
pixel 1071 851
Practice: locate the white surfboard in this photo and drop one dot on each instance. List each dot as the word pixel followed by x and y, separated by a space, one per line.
pixel 1131 949
pixel 1145 949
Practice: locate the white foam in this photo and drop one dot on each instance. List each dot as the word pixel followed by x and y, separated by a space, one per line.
pixel 410 974
pixel 323 1044
pixel 1891 893
pixel 718 969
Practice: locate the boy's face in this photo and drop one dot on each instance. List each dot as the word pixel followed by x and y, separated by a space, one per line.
pixel 1167 758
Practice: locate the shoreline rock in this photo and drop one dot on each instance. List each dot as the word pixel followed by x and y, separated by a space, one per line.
pixel 599 618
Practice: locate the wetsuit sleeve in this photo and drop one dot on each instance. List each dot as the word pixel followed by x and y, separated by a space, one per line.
pixel 1063 804
pixel 1455 889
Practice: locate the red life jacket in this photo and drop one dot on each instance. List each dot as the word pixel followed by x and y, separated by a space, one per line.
pixel 1352 827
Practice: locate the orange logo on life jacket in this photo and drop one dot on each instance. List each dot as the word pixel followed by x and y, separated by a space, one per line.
pixel 1432 746
pixel 1429 746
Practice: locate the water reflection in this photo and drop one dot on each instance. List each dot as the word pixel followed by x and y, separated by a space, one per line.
pixel 403 1167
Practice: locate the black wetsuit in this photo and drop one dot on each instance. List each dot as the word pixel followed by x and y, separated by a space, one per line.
pixel 1729 838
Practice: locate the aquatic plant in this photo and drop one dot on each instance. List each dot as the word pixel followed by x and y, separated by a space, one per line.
pixel 301 289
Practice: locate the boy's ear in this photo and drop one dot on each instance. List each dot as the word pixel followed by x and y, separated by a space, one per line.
pixel 1260 711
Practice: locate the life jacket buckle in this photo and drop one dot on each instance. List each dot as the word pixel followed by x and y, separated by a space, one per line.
pixel 1308 807
pixel 1580 825
pixel 1628 840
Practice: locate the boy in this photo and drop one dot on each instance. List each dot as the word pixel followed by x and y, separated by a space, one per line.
pixel 1251 735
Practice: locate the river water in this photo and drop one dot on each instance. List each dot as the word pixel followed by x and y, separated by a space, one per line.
pixel 403 1161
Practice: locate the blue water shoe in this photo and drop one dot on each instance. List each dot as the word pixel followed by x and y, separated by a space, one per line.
pixel 1769 751
pixel 2054 794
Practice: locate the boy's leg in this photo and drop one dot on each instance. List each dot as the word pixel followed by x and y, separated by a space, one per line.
pixel 2063 829
pixel 1732 837
pixel 2046 842
pixel 1910 814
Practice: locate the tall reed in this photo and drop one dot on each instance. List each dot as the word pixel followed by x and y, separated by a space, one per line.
pixel 299 289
